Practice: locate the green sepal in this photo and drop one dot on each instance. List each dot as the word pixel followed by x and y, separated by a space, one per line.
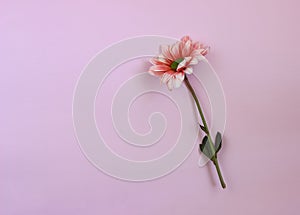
pixel 175 63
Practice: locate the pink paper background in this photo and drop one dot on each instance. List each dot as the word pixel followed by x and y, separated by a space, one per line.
pixel 255 51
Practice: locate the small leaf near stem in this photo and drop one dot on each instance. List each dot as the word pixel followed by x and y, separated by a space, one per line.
pixel 203 128
pixel 218 142
pixel 205 149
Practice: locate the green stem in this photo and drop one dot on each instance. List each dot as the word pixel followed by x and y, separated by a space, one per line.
pixel 214 158
pixel 216 163
pixel 192 91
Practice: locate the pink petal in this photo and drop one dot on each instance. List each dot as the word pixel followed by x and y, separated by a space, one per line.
pixel 193 61
pixel 180 76
pixel 166 77
pixel 205 50
pixel 165 50
pixel 165 60
pixel 197 54
pixel 186 50
pixel 175 51
pixel 189 60
pixel 185 39
pixel 196 45
pixel 159 61
pixel 176 83
pixel 188 70
pixel 161 67
pixel 177 79
pixel 200 57
pixel 170 84
pixel 182 64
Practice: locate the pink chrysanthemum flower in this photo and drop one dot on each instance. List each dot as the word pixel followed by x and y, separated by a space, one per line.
pixel 176 60
pixel 172 66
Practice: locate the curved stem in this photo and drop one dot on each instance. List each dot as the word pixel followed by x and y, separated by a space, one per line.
pixel 192 91
pixel 211 145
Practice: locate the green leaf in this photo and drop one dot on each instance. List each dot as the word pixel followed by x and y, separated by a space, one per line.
pixel 218 142
pixel 204 140
pixel 203 128
pixel 205 148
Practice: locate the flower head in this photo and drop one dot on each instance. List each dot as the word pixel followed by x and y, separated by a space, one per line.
pixel 175 61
